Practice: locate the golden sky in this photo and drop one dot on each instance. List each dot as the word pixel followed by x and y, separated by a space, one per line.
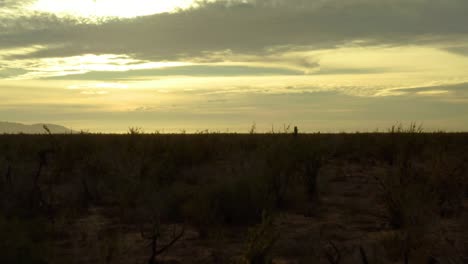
pixel 328 65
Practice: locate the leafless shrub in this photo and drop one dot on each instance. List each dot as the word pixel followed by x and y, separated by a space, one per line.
pixel 154 235
pixel 260 241
pixel 253 129
pixel 135 131
pixel 332 253
pixel 407 198
pixel 363 255
pixel 449 181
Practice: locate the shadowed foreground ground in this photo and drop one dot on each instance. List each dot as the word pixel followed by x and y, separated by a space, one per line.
pixel 218 198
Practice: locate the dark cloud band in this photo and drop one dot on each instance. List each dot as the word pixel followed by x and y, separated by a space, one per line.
pixel 248 28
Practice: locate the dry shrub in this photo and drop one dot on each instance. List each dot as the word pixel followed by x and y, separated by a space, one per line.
pixel 407 197
pixel 261 240
pixel 415 197
pixel 449 181
pixel 235 202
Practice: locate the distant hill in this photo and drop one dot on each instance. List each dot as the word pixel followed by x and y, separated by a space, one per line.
pixel 16 128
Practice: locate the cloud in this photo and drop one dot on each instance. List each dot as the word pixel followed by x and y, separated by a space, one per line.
pixel 323 64
pixel 11 4
pixel 194 70
pixel 74 65
pixel 453 93
pixel 383 66
pixel 318 111
pixel 240 37
pixel 244 27
pixel 324 103
pixel 433 92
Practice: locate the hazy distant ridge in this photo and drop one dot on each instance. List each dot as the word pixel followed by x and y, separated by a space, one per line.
pixel 16 128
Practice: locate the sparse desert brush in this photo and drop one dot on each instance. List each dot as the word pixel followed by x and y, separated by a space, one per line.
pixel 415 194
pixel 402 143
pixel 292 164
pixel 311 161
pixel 408 246
pixel 280 168
pixel 135 131
pixel 236 202
pixel 23 241
pixel 429 244
pixel 261 240
pixel 219 184
pixel 407 197
pixel 462 245
pixel 449 180
pixel 154 233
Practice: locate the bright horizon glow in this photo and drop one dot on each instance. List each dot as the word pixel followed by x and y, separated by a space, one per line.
pixel 109 8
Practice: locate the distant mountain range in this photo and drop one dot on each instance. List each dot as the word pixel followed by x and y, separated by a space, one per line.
pixel 16 128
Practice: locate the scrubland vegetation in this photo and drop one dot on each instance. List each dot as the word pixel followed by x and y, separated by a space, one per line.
pixel 396 197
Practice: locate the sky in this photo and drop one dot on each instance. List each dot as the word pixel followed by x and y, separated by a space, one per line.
pixel 223 65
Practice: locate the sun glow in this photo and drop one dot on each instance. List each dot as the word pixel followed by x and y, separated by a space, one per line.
pixel 109 8
pixel 52 67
